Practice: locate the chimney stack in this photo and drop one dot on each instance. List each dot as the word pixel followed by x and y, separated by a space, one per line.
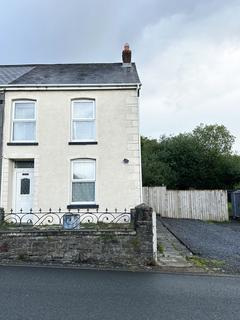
pixel 126 56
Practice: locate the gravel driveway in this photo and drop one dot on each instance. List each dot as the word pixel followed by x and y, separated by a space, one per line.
pixel 219 241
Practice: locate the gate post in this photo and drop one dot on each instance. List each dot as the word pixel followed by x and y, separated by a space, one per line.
pixel 145 226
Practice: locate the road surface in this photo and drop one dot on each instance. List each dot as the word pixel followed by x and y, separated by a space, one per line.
pixel 28 293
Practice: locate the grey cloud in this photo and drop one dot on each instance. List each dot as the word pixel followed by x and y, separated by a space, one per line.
pixel 187 51
pixel 60 30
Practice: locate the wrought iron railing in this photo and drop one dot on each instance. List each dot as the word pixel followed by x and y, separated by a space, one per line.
pixel 76 219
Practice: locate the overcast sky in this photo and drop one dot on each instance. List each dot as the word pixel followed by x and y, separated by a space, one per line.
pixel 187 51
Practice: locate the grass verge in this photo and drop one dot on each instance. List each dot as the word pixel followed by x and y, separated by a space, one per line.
pixel 206 263
pixel 160 248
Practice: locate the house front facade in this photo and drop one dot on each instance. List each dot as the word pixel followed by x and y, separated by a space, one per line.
pixel 70 137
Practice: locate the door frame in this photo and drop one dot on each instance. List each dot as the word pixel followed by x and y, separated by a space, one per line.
pixel 14 186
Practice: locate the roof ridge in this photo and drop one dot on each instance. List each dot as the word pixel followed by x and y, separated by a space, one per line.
pixel 17 65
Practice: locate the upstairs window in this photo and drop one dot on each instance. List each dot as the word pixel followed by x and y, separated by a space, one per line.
pixel 83 120
pixel 83 181
pixel 24 121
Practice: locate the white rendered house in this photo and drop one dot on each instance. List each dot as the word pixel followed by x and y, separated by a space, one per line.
pixel 70 136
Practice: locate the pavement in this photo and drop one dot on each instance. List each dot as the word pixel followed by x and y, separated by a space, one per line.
pixel 218 241
pixel 171 253
pixel 66 294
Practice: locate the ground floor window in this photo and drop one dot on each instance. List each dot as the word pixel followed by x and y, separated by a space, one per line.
pixel 83 180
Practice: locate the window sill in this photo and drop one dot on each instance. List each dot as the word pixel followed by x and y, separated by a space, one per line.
pixel 82 142
pixel 83 206
pixel 22 143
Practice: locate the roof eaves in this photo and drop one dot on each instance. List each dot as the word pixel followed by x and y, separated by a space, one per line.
pixel 71 85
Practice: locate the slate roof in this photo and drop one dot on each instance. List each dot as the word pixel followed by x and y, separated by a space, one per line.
pixel 69 74
pixel 10 73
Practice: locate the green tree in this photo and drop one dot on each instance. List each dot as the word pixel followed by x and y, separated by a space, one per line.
pixel 202 159
pixel 156 170
pixel 215 138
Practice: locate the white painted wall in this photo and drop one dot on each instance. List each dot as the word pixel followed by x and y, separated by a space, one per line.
pixel 154 232
pixel 118 185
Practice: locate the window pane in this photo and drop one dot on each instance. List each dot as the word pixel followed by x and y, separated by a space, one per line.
pixel 24 110
pixel 83 110
pixel 24 131
pixel 83 192
pixel 83 130
pixel 84 170
pixel 25 186
pixel 24 164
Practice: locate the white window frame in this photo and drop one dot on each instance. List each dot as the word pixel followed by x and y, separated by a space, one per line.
pixel 23 120
pixel 83 180
pixel 83 119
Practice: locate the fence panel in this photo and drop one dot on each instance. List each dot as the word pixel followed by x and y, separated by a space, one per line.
pixel 189 204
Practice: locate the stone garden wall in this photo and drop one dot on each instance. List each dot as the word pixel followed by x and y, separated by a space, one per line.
pixel 116 247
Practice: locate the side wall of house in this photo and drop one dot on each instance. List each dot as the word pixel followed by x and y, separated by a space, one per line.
pixel 118 185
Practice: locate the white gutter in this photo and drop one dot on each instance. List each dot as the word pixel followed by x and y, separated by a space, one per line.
pixel 110 86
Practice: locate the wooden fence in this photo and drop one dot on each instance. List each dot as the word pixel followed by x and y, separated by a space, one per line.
pixel 189 204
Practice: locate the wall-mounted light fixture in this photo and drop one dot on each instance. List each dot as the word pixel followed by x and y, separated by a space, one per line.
pixel 125 160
